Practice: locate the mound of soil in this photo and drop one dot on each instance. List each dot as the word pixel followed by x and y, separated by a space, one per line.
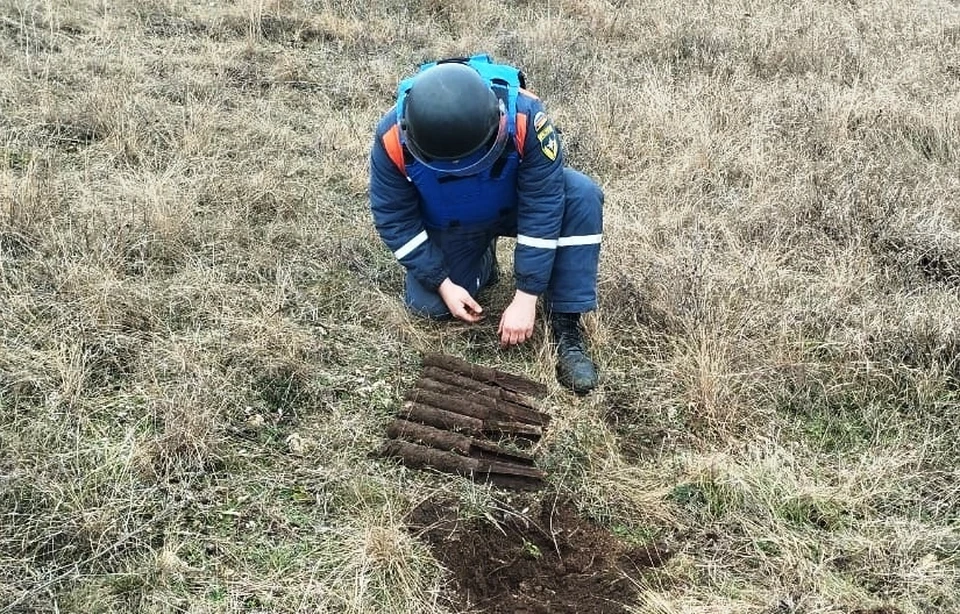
pixel 550 561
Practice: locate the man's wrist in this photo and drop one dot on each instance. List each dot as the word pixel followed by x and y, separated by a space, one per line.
pixel 525 298
pixel 437 280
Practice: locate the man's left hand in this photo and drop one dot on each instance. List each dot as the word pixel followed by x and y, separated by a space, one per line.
pixel 516 325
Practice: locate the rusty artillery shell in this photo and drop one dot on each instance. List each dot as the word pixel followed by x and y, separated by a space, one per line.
pixel 508 381
pixel 510 475
pixel 454 442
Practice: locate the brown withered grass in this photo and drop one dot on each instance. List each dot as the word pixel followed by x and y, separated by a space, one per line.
pixel 201 337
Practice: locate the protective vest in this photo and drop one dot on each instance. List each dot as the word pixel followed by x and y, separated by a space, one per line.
pixel 448 200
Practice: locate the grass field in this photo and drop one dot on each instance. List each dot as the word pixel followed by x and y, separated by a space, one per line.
pixel 202 338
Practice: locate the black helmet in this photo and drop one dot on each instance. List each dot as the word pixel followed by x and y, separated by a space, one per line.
pixel 452 121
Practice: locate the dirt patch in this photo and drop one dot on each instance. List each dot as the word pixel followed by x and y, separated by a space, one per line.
pixel 547 561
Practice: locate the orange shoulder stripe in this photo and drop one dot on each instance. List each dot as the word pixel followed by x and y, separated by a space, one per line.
pixel 529 93
pixel 391 142
pixel 521 127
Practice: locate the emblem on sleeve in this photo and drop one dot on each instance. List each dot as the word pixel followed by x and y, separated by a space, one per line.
pixel 548 138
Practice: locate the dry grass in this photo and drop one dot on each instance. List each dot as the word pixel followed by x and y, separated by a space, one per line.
pixel 201 337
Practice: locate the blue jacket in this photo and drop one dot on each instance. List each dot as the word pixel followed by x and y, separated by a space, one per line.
pixel 399 212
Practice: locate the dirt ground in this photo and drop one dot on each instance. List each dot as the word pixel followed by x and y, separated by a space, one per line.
pixel 548 561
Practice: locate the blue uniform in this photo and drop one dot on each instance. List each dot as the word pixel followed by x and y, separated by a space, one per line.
pixel 440 226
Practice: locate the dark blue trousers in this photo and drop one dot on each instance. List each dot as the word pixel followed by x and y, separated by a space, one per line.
pixel 573 281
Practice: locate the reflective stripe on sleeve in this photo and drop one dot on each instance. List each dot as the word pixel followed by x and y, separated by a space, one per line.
pixel 411 245
pixel 579 240
pixel 534 242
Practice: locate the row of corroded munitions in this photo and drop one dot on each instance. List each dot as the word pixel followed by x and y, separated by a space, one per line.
pixel 449 416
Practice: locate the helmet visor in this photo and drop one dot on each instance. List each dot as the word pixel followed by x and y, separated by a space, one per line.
pixel 473 163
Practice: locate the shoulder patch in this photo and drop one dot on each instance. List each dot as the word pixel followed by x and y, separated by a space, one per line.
pixel 539 120
pixel 549 144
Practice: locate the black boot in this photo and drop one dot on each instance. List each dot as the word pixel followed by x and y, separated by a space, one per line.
pixel 575 370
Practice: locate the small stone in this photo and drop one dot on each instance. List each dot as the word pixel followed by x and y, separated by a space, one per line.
pixel 295 443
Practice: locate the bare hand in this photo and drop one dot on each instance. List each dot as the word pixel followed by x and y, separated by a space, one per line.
pixel 459 302
pixel 516 325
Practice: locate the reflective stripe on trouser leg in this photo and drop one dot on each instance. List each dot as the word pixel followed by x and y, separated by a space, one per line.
pixel 466 252
pixel 573 282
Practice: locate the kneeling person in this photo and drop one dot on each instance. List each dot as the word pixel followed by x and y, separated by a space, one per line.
pixel 467 155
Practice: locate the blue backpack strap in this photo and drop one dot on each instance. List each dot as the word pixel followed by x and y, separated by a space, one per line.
pixel 498 76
